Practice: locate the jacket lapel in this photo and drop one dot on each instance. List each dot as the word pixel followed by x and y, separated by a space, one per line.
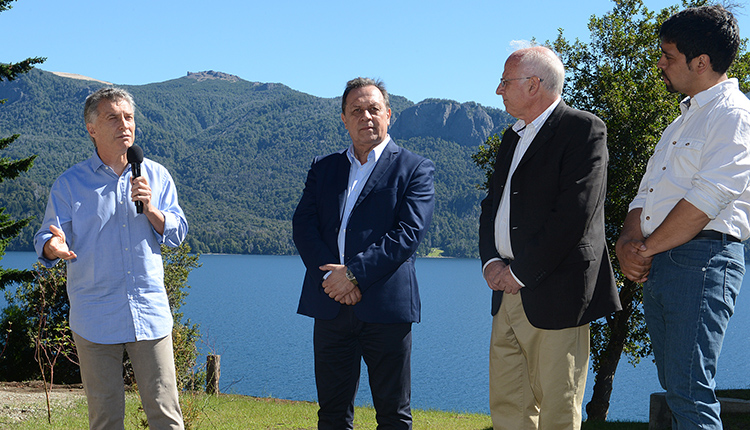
pixel 384 162
pixel 502 166
pixel 342 181
pixel 545 133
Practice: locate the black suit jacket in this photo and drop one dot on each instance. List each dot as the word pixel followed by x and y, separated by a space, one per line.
pixel 385 227
pixel 556 221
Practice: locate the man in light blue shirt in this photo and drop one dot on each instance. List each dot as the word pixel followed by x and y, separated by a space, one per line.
pixel 118 301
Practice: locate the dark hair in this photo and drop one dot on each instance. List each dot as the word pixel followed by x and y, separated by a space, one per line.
pixel 710 30
pixel 364 82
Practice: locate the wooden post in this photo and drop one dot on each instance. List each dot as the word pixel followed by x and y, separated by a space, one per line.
pixel 213 373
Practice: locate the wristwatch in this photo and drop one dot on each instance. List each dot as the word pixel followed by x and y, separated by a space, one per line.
pixel 350 276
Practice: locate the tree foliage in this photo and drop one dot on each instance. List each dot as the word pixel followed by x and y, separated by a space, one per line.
pixel 11 169
pixel 615 77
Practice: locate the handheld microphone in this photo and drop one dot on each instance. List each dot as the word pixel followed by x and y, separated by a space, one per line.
pixel 135 158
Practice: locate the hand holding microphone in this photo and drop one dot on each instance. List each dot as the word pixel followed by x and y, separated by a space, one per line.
pixel 135 158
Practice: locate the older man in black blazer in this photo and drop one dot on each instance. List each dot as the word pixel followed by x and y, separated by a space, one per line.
pixel 362 215
pixel 542 235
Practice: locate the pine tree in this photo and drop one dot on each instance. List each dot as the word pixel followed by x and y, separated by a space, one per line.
pixel 10 169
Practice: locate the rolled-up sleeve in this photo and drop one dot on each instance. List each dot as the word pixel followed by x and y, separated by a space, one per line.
pixel 725 165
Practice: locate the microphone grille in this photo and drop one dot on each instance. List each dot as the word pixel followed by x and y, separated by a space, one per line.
pixel 135 154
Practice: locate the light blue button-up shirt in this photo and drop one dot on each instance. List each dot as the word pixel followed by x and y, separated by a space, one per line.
pixel 116 283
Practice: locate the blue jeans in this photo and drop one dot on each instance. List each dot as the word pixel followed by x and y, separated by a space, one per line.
pixel 688 300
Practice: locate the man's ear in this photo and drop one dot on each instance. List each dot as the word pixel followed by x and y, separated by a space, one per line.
pixel 536 85
pixel 702 64
pixel 90 128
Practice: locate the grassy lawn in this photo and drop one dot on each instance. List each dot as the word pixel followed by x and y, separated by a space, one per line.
pixel 244 412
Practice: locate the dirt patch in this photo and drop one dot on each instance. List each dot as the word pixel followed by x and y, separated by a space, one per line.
pixel 21 400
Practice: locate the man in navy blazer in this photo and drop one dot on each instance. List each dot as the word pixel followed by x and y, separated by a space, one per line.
pixel 542 235
pixel 362 215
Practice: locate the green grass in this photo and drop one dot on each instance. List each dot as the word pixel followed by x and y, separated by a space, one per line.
pixel 244 412
pixel 435 253
pixel 204 412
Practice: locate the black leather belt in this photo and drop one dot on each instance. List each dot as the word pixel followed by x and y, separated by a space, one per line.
pixel 715 235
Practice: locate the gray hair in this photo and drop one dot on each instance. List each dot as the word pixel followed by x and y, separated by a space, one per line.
pixel 543 62
pixel 364 82
pixel 91 107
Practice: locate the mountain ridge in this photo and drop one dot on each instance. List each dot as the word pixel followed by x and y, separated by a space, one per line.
pixel 239 152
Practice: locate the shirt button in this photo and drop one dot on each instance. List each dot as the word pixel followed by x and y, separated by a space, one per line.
pixel 664 168
pixel 650 190
pixel 674 143
pixel 648 218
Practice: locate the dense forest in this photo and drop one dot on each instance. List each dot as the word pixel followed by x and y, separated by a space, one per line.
pixel 239 153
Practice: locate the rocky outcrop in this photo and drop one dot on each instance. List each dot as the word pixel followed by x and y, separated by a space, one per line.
pixel 210 74
pixel 467 124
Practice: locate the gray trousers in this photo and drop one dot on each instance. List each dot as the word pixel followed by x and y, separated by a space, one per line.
pixel 153 364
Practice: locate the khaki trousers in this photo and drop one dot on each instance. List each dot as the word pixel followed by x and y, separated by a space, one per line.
pixel 153 364
pixel 537 377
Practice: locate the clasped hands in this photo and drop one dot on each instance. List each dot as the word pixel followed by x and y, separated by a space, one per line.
pixel 499 278
pixel 635 260
pixel 338 287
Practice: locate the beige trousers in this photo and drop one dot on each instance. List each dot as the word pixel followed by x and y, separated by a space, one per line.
pixel 153 364
pixel 537 377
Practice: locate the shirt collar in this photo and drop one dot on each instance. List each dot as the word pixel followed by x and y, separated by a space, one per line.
pixel 374 154
pixel 94 162
pixel 538 121
pixel 704 97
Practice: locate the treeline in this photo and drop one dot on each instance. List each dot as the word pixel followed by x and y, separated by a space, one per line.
pixel 239 153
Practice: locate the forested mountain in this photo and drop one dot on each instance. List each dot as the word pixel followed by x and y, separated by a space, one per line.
pixel 239 153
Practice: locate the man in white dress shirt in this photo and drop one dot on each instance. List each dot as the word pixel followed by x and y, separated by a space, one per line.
pixel 681 238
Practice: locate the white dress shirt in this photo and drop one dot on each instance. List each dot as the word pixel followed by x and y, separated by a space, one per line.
pixel 527 133
pixel 703 157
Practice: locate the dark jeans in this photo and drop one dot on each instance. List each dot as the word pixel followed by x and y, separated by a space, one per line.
pixel 340 345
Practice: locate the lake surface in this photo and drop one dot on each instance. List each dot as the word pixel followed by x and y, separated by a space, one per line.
pixel 246 307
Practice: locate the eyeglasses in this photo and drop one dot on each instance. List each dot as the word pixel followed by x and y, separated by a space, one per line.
pixel 504 82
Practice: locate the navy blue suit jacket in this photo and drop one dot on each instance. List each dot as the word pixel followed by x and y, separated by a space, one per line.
pixel 387 224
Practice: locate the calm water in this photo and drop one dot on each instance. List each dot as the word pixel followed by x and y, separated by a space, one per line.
pixel 246 308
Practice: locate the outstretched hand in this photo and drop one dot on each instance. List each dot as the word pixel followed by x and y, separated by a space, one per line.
pixel 57 247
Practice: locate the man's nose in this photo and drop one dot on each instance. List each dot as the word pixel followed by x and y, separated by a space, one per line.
pixel 661 63
pixel 499 90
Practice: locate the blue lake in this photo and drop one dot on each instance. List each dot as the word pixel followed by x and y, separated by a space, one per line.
pixel 246 308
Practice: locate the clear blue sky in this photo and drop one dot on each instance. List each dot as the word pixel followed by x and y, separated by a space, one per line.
pixel 451 49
